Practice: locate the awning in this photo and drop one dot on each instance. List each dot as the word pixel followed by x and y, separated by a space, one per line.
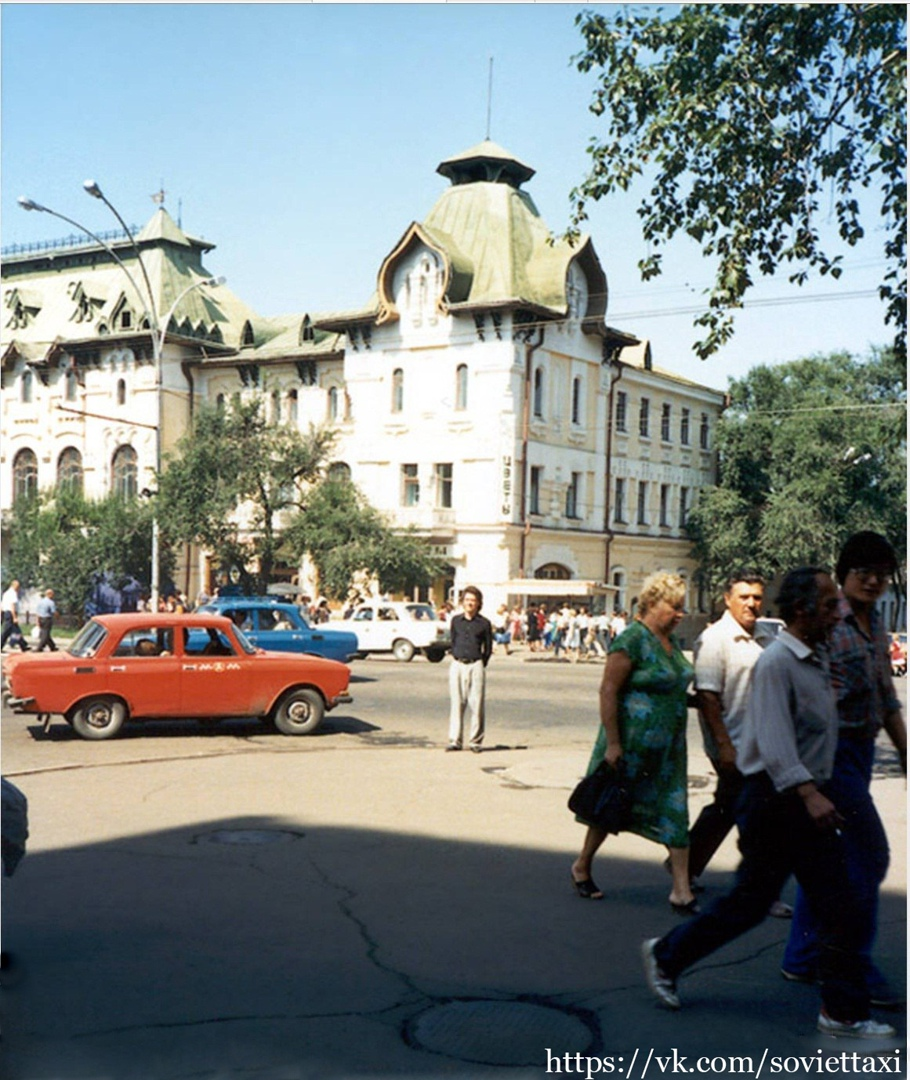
pixel 557 587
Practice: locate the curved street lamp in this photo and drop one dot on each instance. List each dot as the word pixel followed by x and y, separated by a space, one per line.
pixel 157 329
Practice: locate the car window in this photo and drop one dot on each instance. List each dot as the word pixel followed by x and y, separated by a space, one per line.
pixel 88 640
pixel 422 612
pixel 388 614
pixel 274 619
pixel 364 615
pixel 208 641
pixel 146 642
pixel 241 617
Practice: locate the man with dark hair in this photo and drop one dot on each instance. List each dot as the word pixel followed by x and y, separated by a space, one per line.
pixel 725 654
pixel 866 703
pixel 787 824
pixel 472 646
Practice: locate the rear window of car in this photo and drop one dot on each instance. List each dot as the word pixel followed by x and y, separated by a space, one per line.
pixel 423 612
pixel 88 640
pixel 146 641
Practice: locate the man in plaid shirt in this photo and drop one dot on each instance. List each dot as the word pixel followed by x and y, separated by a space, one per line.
pixel 866 703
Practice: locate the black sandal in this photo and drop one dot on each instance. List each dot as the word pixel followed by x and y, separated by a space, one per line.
pixel 691 908
pixel 587 890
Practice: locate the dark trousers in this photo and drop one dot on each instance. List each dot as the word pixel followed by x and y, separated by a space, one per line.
pixel 12 630
pixel 778 838
pixel 715 821
pixel 45 625
pixel 867 858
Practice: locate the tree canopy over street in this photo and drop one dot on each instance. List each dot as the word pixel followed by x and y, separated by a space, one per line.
pixel 63 540
pixel 810 452
pixel 254 492
pixel 753 124
pixel 345 536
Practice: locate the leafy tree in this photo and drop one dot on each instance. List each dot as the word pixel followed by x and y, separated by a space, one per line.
pixel 810 452
pixel 346 537
pixel 231 477
pixel 61 540
pixel 753 121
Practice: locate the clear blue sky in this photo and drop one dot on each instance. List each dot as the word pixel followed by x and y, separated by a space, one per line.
pixel 304 139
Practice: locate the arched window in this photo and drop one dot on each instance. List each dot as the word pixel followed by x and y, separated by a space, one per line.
pixel 397 390
pixel 334 396
pixel 121 391
pixel 340 471
pixel 292 406
pixel 69 470
pixel 538 392
pixel 553 571
pixel 461 386
pixel 576 400
pixel 124 472
pixel 71 387
pixel 26 389
pixel 276 406
pixel 219 404
pixel 25 475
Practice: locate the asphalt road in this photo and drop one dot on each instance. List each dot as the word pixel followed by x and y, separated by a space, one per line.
pixel 531 704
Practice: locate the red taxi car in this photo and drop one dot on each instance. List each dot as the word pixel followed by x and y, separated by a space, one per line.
pixel 139 666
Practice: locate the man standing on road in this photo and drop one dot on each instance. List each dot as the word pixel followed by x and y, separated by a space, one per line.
pixel 472 646
pixel 11 628
pixel 866 703
pixel 725 655
pixel 45 609
pixel 787 823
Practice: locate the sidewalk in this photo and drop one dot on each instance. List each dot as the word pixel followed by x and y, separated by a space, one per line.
pixel 372 913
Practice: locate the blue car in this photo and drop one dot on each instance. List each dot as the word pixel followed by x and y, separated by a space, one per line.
pixel 279 627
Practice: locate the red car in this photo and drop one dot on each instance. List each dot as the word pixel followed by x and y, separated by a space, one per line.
pixel 122 667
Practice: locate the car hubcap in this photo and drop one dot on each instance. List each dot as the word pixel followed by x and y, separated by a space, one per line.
pixel 100 716
pixel 299 712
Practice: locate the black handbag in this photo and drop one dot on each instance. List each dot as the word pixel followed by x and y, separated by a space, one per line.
pixel 604 798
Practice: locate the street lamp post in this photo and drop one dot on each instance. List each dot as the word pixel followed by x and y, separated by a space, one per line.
pixel 158 331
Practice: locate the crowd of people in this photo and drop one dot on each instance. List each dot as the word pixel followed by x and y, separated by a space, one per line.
pixel 573 632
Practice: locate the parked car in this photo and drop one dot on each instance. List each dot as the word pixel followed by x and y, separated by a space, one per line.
pixel 147 666
pixel 399 628
pixel 278 626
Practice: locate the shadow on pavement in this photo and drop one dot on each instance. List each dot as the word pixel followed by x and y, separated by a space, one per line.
pixel 261 947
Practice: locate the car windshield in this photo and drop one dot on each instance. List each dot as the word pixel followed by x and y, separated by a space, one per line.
pixel 243 642
pixel 86 642
pixel 423 612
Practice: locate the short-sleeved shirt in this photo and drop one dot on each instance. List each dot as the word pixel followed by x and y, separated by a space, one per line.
pixel 45 608
pixel 10 601
pixel 790 730
pixel 725 655
pixel 861 673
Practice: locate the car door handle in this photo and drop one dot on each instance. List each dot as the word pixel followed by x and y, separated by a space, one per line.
pixel 318 637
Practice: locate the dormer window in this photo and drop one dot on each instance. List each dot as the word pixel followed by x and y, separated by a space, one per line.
pixel 246 338
pixel 126 320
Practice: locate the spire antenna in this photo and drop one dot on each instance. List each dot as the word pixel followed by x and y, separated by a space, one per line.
pixel 489 97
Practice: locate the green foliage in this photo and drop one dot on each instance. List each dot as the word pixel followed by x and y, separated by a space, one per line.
pixel 345 536
pixel 60 540
pixel 230 478
pixel 751 122
pixel 810 452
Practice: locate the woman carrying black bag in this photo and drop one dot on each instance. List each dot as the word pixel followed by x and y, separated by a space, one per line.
pixel 643 727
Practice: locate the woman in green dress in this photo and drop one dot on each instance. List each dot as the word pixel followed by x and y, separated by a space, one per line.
pixel 643 723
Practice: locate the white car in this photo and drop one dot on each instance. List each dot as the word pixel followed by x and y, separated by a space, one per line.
pixel 401 628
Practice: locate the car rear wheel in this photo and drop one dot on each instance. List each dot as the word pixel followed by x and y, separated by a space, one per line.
pixel 299 712
pixel 435 655
pixel 98 718
pixel 403 650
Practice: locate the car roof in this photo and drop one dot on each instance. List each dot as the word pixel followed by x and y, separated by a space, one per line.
pixel 140 619
pixel 251 601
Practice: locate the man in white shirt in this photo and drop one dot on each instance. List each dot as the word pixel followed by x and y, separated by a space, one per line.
pixel 725 655
pixel 11 629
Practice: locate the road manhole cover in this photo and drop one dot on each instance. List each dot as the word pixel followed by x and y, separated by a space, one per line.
pixel 497 1032
pixel 250 836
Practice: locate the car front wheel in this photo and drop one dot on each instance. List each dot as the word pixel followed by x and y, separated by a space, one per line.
pixel 299 712
pixel 403 650
pixel 98 718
